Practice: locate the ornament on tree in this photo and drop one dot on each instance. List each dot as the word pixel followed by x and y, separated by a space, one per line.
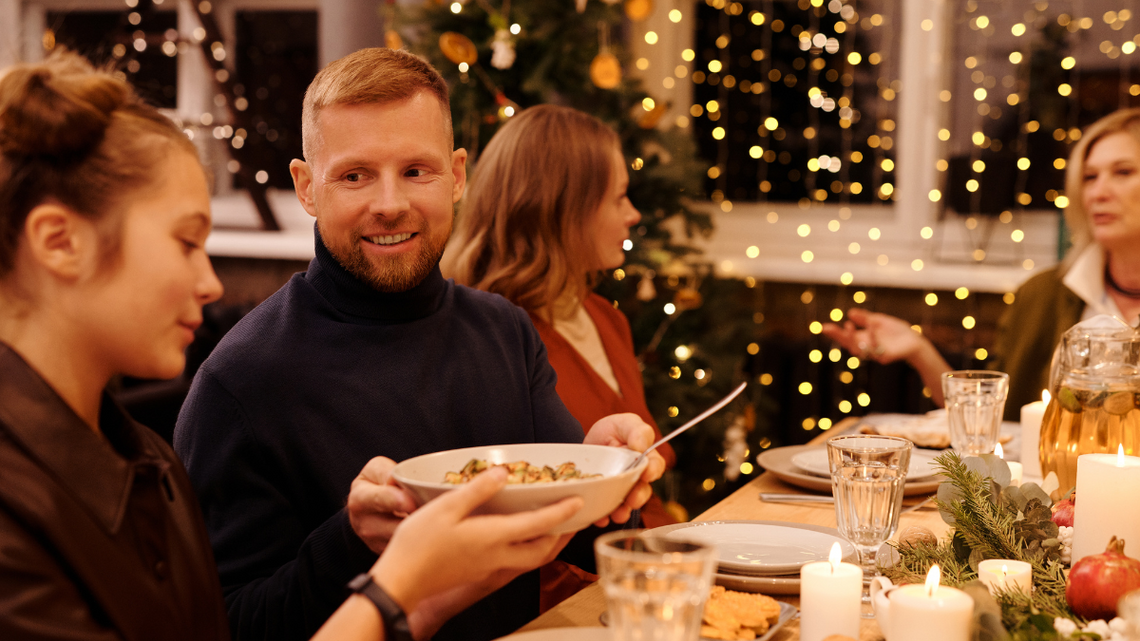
pixel 392 39
pixel 502 50
pixel 687 298
pixel 735 448
pixel 646 291
pixel 649 119
pixel 458 48
pixel 605 70
pixel 507 107
pixel 638 10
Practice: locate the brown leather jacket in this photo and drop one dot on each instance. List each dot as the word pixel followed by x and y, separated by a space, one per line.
pixel 100 536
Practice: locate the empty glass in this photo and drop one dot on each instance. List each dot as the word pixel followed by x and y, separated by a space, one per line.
pixel 975 401
pixel 655 587
pixel 867 478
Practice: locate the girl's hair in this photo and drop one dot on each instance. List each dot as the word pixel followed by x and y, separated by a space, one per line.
pixel 79 137
pixel 523 228
pixel 1076 219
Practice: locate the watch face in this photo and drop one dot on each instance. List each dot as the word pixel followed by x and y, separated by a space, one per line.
pixel 358 583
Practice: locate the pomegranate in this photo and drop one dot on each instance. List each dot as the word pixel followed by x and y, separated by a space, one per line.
pixel 1063 511
pixel 1097 582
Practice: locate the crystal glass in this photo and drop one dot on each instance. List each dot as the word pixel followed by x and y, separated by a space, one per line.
pixel 655 587
pixel 975 400
pixel 867 478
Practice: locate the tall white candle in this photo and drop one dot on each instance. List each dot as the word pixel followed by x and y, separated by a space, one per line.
pixel 1031 417
pixel 1006 574
pixel 1106 505
pixel 931 612
pixel 831 597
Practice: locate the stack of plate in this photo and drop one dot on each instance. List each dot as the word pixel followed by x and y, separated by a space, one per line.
pixel 806 466
pixel 762 556
pixel 814 461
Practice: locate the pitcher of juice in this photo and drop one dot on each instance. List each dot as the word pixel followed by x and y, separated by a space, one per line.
pixel 1095 384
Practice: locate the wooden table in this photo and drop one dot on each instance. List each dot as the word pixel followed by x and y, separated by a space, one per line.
pixel 584 608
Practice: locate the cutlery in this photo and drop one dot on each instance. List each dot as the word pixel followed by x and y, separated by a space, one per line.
pixel 777 497
pixel 702 416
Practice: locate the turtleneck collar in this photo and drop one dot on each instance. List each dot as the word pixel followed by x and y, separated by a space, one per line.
pixel 350 295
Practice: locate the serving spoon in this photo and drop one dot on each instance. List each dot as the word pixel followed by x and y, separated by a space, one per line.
pixel 702 416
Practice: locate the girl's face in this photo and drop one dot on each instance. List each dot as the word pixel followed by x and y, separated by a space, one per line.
pixel 1111 191
pixel 141 309
pixel 614 217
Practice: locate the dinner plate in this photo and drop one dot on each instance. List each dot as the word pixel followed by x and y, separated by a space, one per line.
pixel 761 548
pixel 787 613
pixel 814 461
pixel 778 461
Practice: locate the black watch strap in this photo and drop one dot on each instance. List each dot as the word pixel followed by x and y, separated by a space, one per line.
pixel 395 621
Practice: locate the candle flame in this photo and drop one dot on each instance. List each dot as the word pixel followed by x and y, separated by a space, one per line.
pixel 1120 455
pixel 933 577
pixel 1045 396
pixel 1004 571
pixel 998 451
pixel 835 556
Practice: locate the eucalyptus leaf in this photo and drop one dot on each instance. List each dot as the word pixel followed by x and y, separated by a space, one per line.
pixel 977 465
pixel 1050 484
pixel 961 547
pixel 998 469
pixel 1012 496
pixel 1034 491
pixel 976 557
pixel 947 493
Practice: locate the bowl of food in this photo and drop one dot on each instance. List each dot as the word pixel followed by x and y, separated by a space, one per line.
pixel 538 474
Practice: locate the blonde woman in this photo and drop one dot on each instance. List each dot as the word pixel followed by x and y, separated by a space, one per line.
pixel 1100 273
pixel 546 211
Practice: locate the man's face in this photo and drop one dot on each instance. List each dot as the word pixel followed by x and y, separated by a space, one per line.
pixel 382 184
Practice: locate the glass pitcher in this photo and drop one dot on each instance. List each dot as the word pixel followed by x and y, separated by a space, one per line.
pixel 1095 384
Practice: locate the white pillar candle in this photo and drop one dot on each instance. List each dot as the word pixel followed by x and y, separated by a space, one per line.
pixel 1015 469
pixel 1006 574
pixel 831 598
pixel 1031 417
pixel 1106 505
pixel 930 612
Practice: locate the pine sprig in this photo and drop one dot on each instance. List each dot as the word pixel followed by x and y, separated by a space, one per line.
pixel 986 527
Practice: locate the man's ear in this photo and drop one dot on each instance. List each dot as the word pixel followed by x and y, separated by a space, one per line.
pixel 303 183
pixel 60 240
pixel 459 171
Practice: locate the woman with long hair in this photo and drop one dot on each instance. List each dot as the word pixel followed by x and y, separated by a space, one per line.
pixel 1099 275
pixel 104 214
pixel 545 213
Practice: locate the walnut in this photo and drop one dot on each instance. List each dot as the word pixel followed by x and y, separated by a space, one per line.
pixel 916 535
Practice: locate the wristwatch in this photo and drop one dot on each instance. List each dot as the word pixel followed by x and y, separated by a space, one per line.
pixel 395 621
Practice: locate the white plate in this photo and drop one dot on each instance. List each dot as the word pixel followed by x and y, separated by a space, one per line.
pixel 787 613
pixel 778 460
pixel 761 548
pixel 561 634
pixel 814 461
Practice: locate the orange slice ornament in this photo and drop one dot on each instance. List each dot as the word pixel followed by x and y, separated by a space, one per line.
pixel 605 70
pixel 458 48
pixel 638 10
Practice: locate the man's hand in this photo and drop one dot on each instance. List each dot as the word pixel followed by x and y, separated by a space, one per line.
pixel 376 505
pixel 629 431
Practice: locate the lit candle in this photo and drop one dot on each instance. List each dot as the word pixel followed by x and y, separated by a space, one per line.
pixel 831 598
pixel 1105 505
pixel 1006 574
pixel 1031 417
pixel 931 612
pixel 1015 468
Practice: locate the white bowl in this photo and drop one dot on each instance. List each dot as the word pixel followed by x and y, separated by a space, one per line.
pixel 422 476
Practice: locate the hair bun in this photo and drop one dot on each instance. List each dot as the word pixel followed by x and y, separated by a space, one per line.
pixel 58 110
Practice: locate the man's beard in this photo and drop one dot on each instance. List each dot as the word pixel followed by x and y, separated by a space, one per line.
pixel 391 274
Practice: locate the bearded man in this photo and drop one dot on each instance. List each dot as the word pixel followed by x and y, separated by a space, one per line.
pixel 369 356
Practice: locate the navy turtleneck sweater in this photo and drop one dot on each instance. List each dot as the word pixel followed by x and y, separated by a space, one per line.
pixel 321 377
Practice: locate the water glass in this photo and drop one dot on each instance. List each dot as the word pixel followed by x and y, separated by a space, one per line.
pixel 868 475
pixel 975 401
pixel 655 587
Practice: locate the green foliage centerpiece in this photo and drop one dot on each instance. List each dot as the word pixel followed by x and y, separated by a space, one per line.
pixel 992 519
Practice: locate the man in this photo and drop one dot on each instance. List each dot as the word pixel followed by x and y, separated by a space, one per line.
pixel 368 353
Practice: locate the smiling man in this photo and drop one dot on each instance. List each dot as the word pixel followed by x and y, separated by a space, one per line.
pixel 369 356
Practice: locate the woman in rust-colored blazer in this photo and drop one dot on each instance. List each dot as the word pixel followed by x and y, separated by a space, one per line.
pixel 546 212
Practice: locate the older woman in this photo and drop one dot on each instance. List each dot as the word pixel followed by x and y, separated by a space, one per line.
pixel 1100 274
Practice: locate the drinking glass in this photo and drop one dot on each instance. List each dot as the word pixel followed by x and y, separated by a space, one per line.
pixel 867 478
pixel 975 400
pixel 655 587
